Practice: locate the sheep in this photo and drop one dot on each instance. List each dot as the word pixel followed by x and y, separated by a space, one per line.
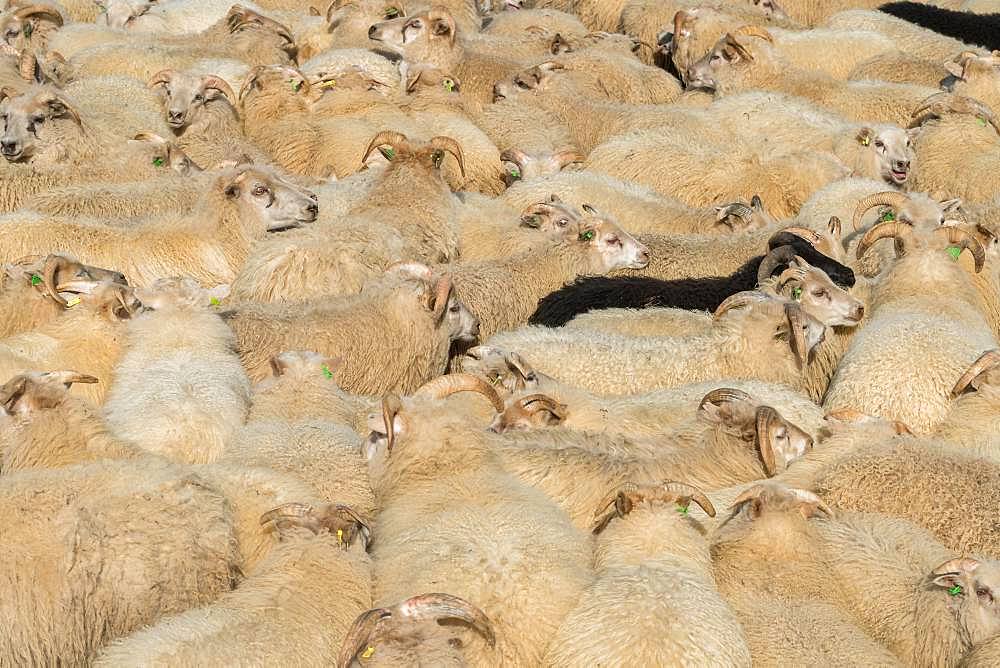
pixel 971 422
pixel 308 445
pixel 979 129
pixel 299 601
pixel 30 26
pixel 502 294
pixel 87 337
pixel 33 290
pixel 347 25
pixel 520 165
pixel 489 230
pixel 972 29
pixel 975 76
pixel 431 37
pixel 908 37
pixel 945 329
pixel 745 59
pixel 412 632
pixel 100 550
pixel 442 490
pixel 609 366
pixel 702 293
pixel 899 67
pixel 924 612
pixel 45 427
pixel 409 317
pixel 178 364
pixel 368 245
pixel 238 206
pixel 667 579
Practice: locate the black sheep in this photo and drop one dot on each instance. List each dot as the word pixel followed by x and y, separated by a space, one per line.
pixel 981 29
pixel 704 294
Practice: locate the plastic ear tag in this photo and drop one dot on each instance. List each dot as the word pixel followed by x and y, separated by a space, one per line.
pixel 956 590
pixel 72 302
pixel 954 252
pixel 158 161
pixel 329 83
pixel 514 172
pixel 449 85
pixel 28 29
pixel 865 141
pixel 389 153
pixel 340 535
pixel 391 12
pixel 587 236
pixel 683 510
pixel 888 216
pixel 796 294
pixel 327 372
pixel 35 279
pixel 367 654
pixel 982 121
pixel 214 301
pixel 296 85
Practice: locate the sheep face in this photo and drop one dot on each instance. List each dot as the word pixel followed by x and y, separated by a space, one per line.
pixel 519 165
pixel 764 511
pixel 351 15
pixel 161 153
pixel 609 246
pixel 535 411
pixel 423 37
pixel 120 14
pixel 819 296
pixel 265 196
pixel 38 121
pixel 972 74
pixel 112 301
pixel 35 391
pixel 184 95
pixel 59 277
pixel 733 58
pixel 886 152
pixel 769 8
pixel 18 26
pixel 972 587
pixel 251 30
pixel 507 372
pixel 530 81
pixel 179 293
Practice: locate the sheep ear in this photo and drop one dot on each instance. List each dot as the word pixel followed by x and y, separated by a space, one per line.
pixel 14 397
pixel 865 136
pixel 954 69
pixel 233 190
pixel 314 12
pixel 951 205
pixel 730 418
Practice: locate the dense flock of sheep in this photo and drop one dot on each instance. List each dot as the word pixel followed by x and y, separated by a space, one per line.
pixel 499 332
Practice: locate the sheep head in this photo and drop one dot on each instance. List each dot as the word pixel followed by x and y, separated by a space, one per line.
pixel 772 497
pixel 695 33
pixel 971 587
pixel 426 37
pixel 532 80
pixel 279 88
pixel 772 320
pixel 850 420
pixel 885 152
pixel 741 216
pixel 907 239
pixel 387 636
pixel 250 26
pixel 534 411
pixel 58 277
pixel 735 414
pixel 519 165
pixel 940 105
pixel 984 371
pixel 552 216
pixel 916 210
pixel 165 154
pixel 608 247
pixel 437 295
pixel 29 119
pixel 34 391
pixel 176 293
pixel 260 194
pixel 624 498
pixel 333 518
pixel 183 95
pixel 507 372
pixel 819 296
pixel 974 74
pixel 398 150
pixel 112 301
pixel 341 13
pixel 20 26
pixel 121 14
pixel 732 57
pixel 428 79
pixel 770 8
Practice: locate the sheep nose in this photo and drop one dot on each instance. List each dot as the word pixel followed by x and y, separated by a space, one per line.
pixel 175 115
pixel 902 164
pixel 8 147
pixel 313 209
pixel 372 31
pixel 858 312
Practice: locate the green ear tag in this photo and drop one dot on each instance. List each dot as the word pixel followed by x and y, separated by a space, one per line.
pixel 296 85
pixel 956 590
pixel 888 216
pixel 954 252
pixel 683 510
pixel 391 12
pixel 587 236
pixel 514 172
pixel 327 372
pixel 388 153
pixel 796 294
pixel 35 279
pixel 449 85
pixel 158 161
pixel 28 29
pixel 214 301
pixel 982 121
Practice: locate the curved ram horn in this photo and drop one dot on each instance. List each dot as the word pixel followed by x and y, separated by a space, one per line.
pixel 451 146
pixel 739 300
pixel 53 263
pixel 890 198
pixel 777 257
pixel 894 230
pixel 390 137
pixel 220 85
pixel 965 241
pixel 445 386
pixel 987 361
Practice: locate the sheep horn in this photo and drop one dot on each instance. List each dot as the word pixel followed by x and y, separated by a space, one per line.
pixel 42 11
pixel 69 378
pixel 777 257
pixel 966 241
pixel 684 494
pixel 886 198
pixel 935 102
pixel 754 31
pixel 768 420
pixel 515 155
pixel 252 77
pixel 557 409
pixel 519 364
pixel 567 155
pixel 53 263
pixel 793 312
pixel 362 631
pixel 442 290
pixel 220 85
pixel 451 146
pixel 445 386
pixel 12 391
pixel 724 394
pixel 811 237
pixel 739 209
pixel 432 607
pixel 161 77
pixel 748 494
pixel 391 405
pixel 835 227
pixel 894 230
pixel 987 361
pixel 956 566
pixel 390 137
pixel 622 491
pixel 739 300
pixel 27 66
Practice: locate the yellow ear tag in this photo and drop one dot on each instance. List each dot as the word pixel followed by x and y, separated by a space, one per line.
pixel 449 85
pixel 367 654
pixel 72 302
pixel 340 535
pixel 865 141
pixel 329 83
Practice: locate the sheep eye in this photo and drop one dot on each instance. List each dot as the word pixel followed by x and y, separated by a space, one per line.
pixel 879 144
pixel 562 222
pixel 521 84
pixel 453 309
pixel 416 24
pixel 984 595
pixel 38 120
pixel 260 190
pixel 199 97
